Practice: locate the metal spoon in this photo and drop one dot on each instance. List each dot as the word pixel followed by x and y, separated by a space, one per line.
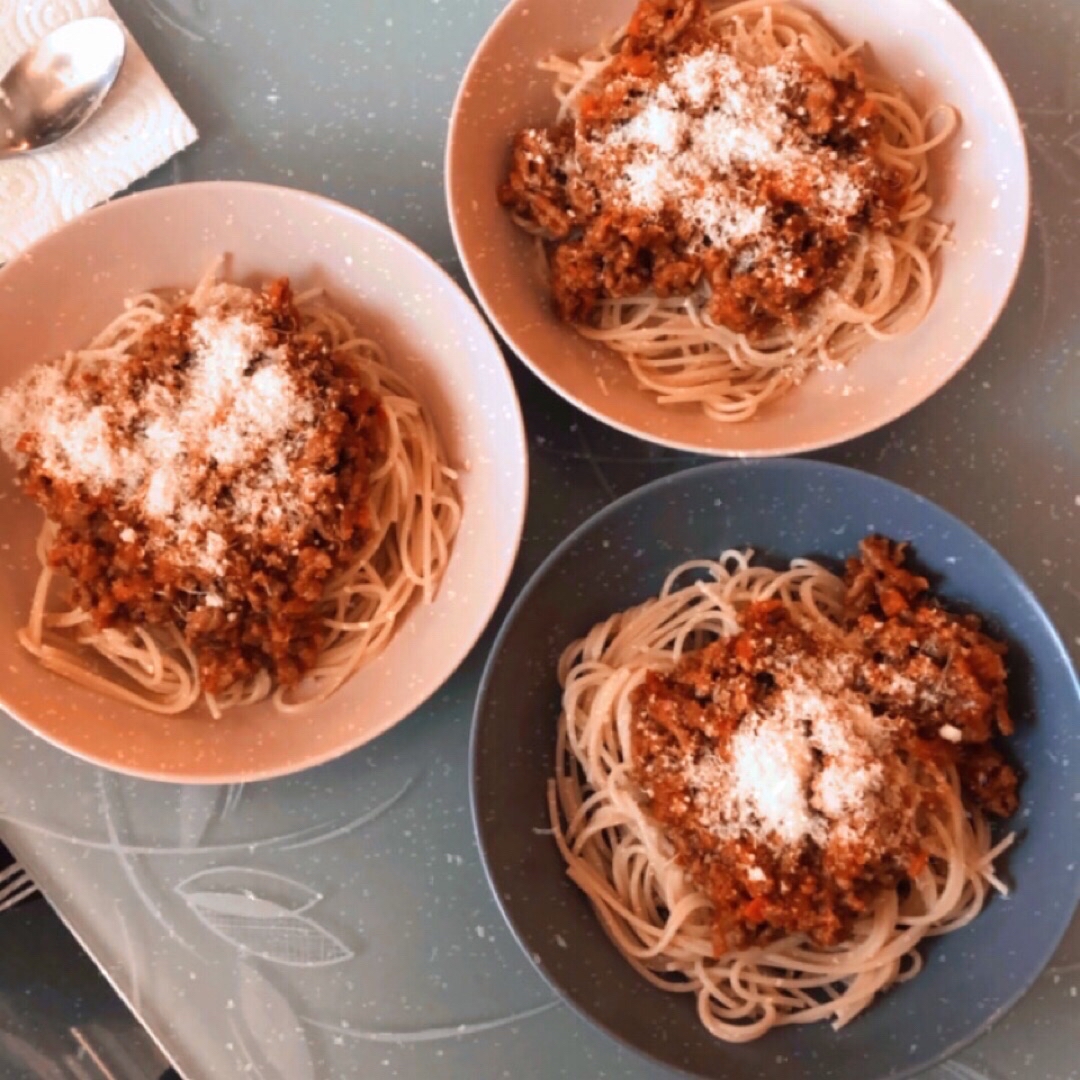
pixel 56 86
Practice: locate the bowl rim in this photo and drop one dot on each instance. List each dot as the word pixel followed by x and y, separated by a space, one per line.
pixel 459 646
pixel 526 940
pixel 1010 120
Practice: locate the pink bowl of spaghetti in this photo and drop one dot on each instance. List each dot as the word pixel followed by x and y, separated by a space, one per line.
pixel 247 471
pixel 740 228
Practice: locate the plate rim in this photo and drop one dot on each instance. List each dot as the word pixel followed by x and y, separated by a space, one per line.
pixel 1012 121
pixel 458 651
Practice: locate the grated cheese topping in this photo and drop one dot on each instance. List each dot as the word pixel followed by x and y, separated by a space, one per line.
pixel 711 120
pixel 237 411
pixel 802 768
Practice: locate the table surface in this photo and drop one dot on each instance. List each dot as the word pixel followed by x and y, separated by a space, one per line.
pixel 361 938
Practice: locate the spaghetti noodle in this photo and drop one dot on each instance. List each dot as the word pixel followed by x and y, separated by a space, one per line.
pixel 770 795
pixel 728 199
pixel 243 500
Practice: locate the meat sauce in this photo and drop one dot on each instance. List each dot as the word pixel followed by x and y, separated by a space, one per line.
pixel 257 610
pixel 752 190
pixel 876 712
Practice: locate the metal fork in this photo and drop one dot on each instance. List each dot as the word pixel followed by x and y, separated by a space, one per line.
pixel 15 885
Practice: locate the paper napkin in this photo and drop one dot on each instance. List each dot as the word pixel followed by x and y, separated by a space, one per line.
pixel 139 127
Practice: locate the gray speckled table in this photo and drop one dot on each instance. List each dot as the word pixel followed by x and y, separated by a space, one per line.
pixel 363 940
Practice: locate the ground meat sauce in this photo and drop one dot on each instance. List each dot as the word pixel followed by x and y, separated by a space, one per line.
pixel 231 536
pixel 688 166
pixel 792 769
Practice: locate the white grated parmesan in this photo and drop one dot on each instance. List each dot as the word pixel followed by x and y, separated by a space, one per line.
pixel 771 767
pixel 800 769
pixel 841 195
pixel 711 118
pixel 237 410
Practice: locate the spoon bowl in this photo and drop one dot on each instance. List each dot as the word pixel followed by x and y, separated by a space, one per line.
pixel 58 84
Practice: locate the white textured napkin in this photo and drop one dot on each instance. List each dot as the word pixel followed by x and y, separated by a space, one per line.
pixel 139 127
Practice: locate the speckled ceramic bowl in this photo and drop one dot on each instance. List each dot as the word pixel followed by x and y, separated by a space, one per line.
pixel 782 509
pixel 68 286
pixel 981 189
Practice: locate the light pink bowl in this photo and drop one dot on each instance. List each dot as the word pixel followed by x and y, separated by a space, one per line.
pixel 982 190
pixel 69 285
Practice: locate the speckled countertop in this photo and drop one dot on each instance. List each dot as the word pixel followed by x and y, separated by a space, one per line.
pixel 377 949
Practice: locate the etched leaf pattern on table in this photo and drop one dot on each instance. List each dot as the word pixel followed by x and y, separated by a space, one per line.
pixel 199 806
pixel 957 1070
pixel 1053 137
pixel 268 1031
pixel 263 913
pixel 187 17
pixel 306 837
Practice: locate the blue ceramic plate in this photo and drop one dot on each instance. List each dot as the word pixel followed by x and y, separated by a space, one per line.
pixel 782 509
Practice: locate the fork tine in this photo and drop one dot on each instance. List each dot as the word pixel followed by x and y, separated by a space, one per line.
pixel 11 870
pixel 13 881
pixel 15 885
pixel 10 899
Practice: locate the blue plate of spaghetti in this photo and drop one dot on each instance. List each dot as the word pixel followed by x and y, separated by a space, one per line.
pixel 769 764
